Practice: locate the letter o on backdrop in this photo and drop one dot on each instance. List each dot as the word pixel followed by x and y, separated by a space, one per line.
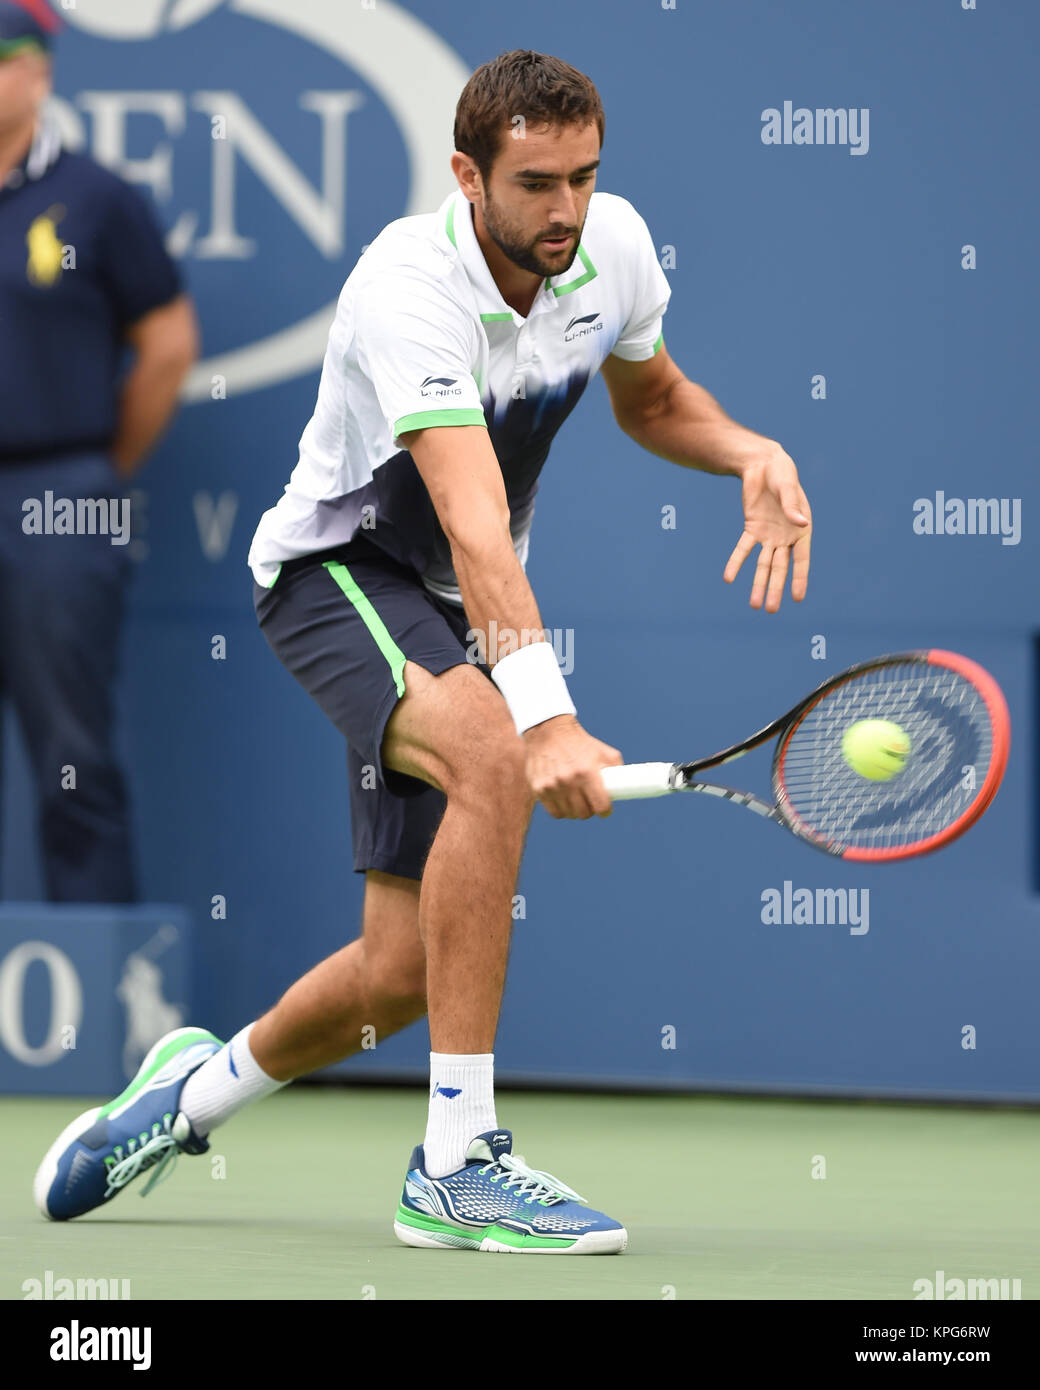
pixel 66 1002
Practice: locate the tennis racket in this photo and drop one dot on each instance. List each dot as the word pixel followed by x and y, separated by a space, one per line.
pixel 955 716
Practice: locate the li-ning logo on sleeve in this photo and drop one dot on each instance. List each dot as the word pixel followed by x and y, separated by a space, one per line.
pixel 589 319
pixel 446 383
pixel 448 1092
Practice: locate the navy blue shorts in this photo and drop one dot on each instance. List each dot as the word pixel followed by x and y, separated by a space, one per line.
pixel 343 622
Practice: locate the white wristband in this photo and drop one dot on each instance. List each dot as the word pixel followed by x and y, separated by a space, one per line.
pixel 533 685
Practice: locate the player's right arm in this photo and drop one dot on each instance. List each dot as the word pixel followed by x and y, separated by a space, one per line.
pixel 462 475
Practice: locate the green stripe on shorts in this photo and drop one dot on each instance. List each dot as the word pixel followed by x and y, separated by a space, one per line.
pixel 368 615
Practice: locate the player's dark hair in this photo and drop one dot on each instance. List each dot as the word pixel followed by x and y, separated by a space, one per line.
pixel 542 89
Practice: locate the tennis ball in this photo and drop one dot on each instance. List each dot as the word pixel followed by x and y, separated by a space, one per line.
pixel 875 748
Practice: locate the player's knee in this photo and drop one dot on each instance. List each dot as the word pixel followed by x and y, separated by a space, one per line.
pixel 490 768
pixel 496 782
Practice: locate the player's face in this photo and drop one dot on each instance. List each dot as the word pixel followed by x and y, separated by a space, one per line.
pixel 537 195
pixel 24 82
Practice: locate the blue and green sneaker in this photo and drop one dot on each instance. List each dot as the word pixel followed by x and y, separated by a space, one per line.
pixel 497 1203
pixel 95 1157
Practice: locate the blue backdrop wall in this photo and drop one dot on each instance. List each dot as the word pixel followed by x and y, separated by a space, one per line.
pixel 872 307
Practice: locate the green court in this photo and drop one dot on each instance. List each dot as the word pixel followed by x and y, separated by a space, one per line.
pixel 297 1196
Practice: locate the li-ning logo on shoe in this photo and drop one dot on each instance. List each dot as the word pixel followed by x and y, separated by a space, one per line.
pixel 501 1138
pixel 446 383
pixel 589 319
pixel 448 1092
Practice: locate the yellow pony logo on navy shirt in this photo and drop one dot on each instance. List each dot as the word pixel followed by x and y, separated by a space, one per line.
pixel 46 250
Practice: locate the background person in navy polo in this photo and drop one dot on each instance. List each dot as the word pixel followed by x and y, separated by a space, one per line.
pixel 84 277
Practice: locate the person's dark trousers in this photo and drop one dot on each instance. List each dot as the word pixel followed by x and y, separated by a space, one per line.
pixel 62 600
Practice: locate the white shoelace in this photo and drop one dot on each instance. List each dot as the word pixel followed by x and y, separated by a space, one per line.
pixel 532 1183
pixel 160 1152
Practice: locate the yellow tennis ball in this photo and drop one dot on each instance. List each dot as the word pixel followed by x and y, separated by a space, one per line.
pixel 875 748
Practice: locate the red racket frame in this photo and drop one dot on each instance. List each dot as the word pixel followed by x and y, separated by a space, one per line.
pixel 1000 720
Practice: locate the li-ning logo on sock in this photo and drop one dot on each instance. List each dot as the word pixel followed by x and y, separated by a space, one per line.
pixel 448 1092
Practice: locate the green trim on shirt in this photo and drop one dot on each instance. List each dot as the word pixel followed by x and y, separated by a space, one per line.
pixel 590 274
pixel 450 224
pixel 659 344
pixel 424 419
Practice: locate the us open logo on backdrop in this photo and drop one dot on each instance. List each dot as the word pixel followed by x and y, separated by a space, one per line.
pixel 241 119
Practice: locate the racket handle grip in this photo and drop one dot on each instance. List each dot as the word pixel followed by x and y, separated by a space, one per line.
pixel 636 780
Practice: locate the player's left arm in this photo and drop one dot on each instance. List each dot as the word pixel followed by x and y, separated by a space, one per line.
pixel 673 417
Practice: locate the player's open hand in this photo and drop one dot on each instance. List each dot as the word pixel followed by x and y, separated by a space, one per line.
pixel 777 518
pixel 564 769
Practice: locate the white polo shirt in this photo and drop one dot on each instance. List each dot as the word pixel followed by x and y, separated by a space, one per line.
pixel 422 337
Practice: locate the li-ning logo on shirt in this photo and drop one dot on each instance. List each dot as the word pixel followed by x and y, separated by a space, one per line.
pixel 444 382
pixel 589 319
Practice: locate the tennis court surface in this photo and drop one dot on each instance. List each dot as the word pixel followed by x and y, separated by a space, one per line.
pixel 297 1196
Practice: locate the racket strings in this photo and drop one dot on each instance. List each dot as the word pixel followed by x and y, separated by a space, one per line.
pixel 951 746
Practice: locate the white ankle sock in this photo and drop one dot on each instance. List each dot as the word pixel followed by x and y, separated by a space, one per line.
pixel 230 1079
pixel 462 1105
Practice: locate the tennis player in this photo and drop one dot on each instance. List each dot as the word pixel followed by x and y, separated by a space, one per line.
pixel 462 341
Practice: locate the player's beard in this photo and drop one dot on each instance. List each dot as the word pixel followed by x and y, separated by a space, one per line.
pixel 523 252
